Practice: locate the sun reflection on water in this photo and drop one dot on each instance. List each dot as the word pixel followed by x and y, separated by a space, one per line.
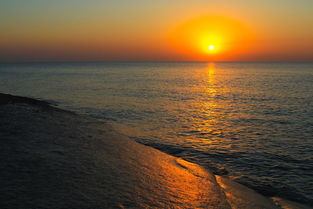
pixel 207 121
pixel 211 79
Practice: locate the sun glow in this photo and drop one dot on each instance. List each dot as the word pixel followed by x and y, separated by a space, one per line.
pixel 211 38
pixel 209 48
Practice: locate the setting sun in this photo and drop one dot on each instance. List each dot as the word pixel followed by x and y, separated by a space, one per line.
pixel 211 48
pixel 218 36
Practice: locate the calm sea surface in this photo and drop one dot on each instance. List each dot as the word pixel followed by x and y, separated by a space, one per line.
pixel 252 122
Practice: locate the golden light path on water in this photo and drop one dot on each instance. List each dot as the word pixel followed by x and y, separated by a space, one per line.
pixel 209 115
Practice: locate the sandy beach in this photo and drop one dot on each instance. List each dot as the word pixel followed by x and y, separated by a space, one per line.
pixel 52 158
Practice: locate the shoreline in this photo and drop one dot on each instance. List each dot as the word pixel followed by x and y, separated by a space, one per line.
pixel 56 159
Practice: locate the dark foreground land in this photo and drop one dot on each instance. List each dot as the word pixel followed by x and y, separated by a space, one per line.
pixel 57 159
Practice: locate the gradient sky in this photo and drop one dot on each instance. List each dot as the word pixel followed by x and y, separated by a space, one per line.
pixel 143 30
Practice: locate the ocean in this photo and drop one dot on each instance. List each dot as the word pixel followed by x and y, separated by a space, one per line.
pixel 252 122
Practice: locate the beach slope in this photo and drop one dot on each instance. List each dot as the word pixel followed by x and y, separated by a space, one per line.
pixel 52 158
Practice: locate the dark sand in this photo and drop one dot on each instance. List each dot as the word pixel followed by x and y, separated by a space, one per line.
pixel 57 159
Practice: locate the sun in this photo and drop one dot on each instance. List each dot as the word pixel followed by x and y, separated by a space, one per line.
pixel 211 47
pixel 210 37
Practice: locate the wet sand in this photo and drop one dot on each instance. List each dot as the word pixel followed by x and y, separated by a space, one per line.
pixel 52 158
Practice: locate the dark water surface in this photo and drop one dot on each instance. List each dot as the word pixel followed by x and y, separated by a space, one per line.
pixel 252 122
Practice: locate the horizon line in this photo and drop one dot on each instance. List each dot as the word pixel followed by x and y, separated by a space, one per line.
pixel 149 61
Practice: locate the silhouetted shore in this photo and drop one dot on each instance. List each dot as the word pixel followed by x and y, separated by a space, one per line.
pixel 52 158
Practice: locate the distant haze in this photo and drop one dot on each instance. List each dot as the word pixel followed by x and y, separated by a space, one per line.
pixel 137 30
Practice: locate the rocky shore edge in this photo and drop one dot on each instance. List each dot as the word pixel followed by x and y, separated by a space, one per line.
pixel 53 158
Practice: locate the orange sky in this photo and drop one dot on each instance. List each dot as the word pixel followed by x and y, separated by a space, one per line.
pixel 138 30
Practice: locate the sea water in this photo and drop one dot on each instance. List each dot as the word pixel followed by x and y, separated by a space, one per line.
pixel 252 122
